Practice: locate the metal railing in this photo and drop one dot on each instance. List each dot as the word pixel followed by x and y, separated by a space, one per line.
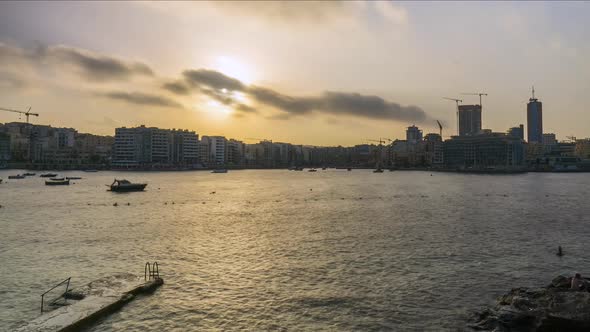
pixel 151 271
pixel 67 282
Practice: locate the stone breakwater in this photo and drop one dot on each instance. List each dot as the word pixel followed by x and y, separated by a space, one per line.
pixel 555 307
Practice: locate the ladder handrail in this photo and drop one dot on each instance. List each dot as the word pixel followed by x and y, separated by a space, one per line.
pixel 54 287
pixel 147 271
pixel 155 270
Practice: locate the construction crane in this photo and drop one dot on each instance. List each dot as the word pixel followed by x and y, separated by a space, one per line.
pixel 455 100
pixel 27 113
pixel 476 94
pixel 440 128
pixel 381 141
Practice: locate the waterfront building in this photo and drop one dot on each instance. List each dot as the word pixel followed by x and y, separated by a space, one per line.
pixel 517 132
pixel 534 120
pixel 213 150
pixel 94 149
pixel 485 152
pixel 469 119
pixel 413 134
pixel 235 152
pixel 549 139
pixel 150 146
pixel 582 149
pixel 4 148
pixel 434 150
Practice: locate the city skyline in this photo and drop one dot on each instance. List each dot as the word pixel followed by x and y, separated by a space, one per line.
pixel 375 83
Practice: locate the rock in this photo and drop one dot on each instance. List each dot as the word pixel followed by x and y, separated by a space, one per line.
pixel 551 308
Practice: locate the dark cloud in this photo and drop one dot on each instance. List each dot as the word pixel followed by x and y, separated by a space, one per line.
pixel 177 87
pixel 245 108
pixel 222 87
pixel 139 98
pixel 212 79
pixel 93 66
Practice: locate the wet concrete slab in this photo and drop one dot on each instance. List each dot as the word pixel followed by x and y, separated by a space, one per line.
pixel 98 298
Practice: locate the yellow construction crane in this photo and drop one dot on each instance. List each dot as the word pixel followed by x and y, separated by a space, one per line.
pixel 476 94
pixel 27 113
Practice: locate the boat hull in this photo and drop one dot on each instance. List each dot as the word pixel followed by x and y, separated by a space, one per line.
pixel 129 188
pixel 57 183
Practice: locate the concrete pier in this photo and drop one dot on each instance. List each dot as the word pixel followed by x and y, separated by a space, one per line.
pixel 96 299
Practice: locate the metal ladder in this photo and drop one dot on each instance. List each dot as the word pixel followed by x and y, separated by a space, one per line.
pixel 151 272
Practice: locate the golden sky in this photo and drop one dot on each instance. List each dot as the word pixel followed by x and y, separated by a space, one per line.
pixel 322 73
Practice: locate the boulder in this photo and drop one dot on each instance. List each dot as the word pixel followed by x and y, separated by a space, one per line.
pixel 551 308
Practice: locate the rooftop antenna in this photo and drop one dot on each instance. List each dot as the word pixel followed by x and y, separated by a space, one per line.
pixel 533 92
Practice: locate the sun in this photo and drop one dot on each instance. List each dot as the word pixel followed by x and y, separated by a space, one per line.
pixel 233 67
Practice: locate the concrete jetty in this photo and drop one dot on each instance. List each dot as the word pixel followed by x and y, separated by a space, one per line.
pixel 92 301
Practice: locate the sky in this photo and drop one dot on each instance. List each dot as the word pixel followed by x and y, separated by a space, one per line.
pixel 317 73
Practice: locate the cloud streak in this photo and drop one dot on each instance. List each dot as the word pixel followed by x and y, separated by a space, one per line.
pixel 89 65
pixel 139 98
pixel 222 88
pixel 93 66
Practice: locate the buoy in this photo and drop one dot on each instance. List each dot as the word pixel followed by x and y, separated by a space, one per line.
pixel 559 251
pixel 128 203
pixel 212 192
pixel 115 204
pixel 165 203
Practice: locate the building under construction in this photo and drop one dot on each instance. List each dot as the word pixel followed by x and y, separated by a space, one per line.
pixel 469 119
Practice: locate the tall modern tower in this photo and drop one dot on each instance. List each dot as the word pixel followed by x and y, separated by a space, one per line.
pixel 534 116
pixel 469 119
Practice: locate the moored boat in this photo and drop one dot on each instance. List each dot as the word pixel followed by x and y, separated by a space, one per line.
pixel 219 171
pixel 29 174
pixel 126 186
pixel 57 182
pixel 18 176
pixel 48 175
pixel 73 178
pixel 313 170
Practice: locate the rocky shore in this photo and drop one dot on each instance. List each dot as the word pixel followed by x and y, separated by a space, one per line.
pixel 552 308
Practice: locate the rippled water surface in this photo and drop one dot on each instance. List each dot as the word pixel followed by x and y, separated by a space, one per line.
pixel 280 250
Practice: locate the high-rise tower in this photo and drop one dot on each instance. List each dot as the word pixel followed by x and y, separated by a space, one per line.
pixel 534 115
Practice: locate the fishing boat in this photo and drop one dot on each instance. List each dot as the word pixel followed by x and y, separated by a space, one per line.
pixel 29 174
pixel 313 170
pixel 18 176
pixel 349 169
pixel 57 179
pixel 126 186
pixel 48 175
pixel 57 182
pixel 219 170
pixel 73 178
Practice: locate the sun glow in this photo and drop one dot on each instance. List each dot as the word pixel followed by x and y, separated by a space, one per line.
pixel 234 68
